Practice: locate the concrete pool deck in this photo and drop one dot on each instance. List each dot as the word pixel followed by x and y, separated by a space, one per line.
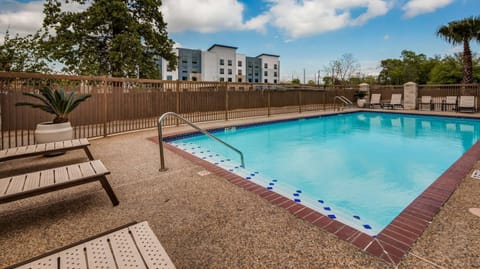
pixel 204 221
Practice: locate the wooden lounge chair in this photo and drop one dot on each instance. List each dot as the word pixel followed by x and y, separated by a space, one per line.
pixel 35 183
pixel 41 149
pixel 396 101
pixel 375 100
pixel 466 103
pixel 130 246
pixel 425 103
pixel 450 103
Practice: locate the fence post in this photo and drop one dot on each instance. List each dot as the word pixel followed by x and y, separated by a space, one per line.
pixel 299 101
pixel 105 106
pixel 177 97
pixel 324 98
pixel 268 103
pixel 226 102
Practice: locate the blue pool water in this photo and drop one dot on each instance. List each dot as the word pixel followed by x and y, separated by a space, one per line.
pixel 361 168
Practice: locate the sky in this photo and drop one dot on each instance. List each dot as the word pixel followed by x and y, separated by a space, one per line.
pixel 306 34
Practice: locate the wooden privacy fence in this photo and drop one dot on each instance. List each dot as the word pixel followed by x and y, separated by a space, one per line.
pixel 120 104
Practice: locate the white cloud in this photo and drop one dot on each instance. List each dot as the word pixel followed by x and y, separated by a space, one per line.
pixel 300 18
pixel 21 18
pixel 204 16
pixel 417 7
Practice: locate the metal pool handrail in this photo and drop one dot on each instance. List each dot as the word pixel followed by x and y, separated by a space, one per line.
pixel 160 138
pixel 342 98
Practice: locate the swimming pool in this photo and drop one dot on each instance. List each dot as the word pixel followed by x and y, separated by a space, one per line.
pixel 361 169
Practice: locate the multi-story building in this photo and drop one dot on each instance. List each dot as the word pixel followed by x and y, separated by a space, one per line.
pixel 223 63
pixel 270 67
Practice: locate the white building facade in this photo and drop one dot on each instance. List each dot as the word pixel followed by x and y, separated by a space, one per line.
pixel 222 63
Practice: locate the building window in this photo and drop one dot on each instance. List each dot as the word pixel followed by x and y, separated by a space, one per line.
pixel 222 79
pixel 250 80
pixel 239 72
pixel 194 61
pixel 229 71
pixel 169 77
pixel 265 65
pixel 229 79
pixel 240 63
pixel 266 81
pixel 256 80
pixel 274 66
pixel 239 79
pixel 256 74
pixel 194 78
pixel 275 74
pixel 265 73
pixel 275 81
pixel 222 71
pixel 184 61
pixel 229 62
pixel 184 78
pixel 222 62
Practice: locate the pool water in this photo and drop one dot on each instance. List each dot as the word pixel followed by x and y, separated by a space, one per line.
pixel 361 168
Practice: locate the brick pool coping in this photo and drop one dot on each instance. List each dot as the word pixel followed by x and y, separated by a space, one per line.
pixel 395 240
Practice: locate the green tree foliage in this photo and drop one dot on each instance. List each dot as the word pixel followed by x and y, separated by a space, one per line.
pixel 462 32
pixel 117 38
pixel 20 54
pixel 295 81
pixel 447 71
pixel 410 67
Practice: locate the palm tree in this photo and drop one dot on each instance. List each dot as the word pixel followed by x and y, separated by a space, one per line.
pixel 461 32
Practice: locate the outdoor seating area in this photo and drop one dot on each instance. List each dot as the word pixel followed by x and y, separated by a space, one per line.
pixel 39 182
pixel 201 220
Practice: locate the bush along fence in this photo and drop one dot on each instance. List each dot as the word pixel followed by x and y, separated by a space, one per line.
pixel 120 104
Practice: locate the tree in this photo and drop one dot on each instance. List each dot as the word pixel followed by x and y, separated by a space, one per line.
pixel 462 32
pixel 295 81
pixel 410 67
pixel 447 71
pixel 342 69
pixel 20 54
pixel 110 37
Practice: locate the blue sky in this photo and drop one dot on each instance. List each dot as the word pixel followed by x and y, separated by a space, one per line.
pixel 307 34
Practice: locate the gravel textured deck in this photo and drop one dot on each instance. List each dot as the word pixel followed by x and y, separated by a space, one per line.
pixel 205 221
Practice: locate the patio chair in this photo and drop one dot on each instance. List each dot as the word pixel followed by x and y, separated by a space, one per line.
pixel 466 103
pixel 375 100
pixel 17 187
pixel 130 246
pixel 450 103
pixel 425 103
pixel 396 101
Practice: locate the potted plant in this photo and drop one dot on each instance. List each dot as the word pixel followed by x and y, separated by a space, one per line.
pixel 360 95
pixel 60 104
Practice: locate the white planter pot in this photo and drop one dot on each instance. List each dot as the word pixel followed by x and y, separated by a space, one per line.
pixel 51 132
pixel 361 102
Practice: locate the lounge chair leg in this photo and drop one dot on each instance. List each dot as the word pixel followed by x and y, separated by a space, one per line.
pixel 109 190
pixel 89 154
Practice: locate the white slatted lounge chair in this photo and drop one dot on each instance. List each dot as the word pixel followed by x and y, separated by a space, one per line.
pixel 466 103
pixel 425 103
pixel 130 246
pixel 396 101
pixel 375 100
pixel 450 103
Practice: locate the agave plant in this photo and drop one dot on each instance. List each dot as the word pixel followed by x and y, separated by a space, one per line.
pixel 56 102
